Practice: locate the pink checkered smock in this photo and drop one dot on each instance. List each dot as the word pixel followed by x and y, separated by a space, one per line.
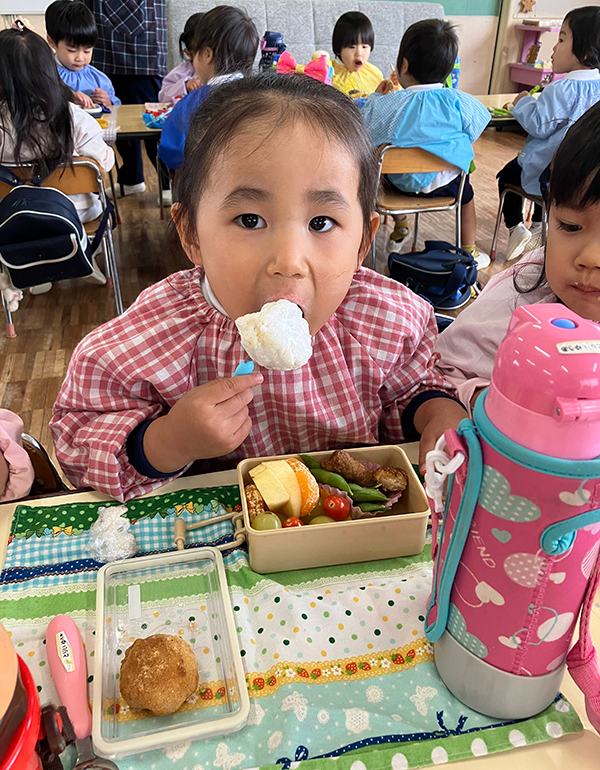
pixel 370 359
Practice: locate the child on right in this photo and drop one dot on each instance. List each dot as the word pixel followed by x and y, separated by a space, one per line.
pixel 182 79
pixel 424 114
pixel 225 44
pixel 547 118
pixel 567 270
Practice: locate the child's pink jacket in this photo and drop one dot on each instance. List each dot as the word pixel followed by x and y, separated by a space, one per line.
pixel 20 470
pixel 369 361
pixel 174 83
pixel 468 347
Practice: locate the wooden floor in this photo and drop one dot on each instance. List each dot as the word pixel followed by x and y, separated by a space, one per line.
pixel 49 326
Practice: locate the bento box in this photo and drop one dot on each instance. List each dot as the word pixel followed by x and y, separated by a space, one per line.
pixel 180 594
pixel 401 532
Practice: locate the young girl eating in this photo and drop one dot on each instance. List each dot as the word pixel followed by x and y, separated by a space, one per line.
pixel 276 202
pixel 182 79
pixel 568 271
pixel 352 43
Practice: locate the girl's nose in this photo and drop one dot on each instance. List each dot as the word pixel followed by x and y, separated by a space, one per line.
pixel 589 255
pixel 288 259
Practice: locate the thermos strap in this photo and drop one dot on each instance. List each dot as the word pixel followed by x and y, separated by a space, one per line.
pixel 440 594
pixel 582 659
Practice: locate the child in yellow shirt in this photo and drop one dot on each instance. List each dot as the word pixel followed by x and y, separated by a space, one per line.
pixel 352 43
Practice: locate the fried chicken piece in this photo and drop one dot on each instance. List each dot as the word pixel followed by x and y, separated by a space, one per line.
pixel 255 501
pixel 352 470
pixel 391 479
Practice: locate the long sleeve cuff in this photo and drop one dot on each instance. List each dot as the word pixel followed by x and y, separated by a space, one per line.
pixel 137 456
pixel 408 415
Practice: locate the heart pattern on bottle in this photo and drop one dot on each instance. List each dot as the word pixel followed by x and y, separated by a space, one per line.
pixel 496 497
pixel 501 535
pixel 457 626
pixel 524 569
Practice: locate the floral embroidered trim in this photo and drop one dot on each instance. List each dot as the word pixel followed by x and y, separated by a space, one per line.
pixel 360 667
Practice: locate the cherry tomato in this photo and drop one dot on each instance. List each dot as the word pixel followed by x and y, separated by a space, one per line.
pixel 293 521
pixel 337 507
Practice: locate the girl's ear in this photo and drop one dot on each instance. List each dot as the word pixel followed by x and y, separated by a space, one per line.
pixel 188 242
pixel 365 246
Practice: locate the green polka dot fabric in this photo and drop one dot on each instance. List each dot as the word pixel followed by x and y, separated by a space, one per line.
pixel 338 669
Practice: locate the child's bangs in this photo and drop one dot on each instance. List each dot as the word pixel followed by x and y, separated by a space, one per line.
pixel 575 180
pixel 352 28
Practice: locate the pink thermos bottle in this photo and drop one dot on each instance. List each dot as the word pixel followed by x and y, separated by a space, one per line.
pixel 516 548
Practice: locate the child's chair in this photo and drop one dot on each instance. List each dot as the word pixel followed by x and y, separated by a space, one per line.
pixel 85 176
pixel 47 478
pixel 413 160
pixel 525 197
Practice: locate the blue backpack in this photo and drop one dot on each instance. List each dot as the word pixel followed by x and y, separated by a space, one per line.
pixel 443 274
pixel 42 238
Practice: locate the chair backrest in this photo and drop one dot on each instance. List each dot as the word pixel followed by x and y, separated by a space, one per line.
pixel 47 477
pixel 410 160
pixel 85 176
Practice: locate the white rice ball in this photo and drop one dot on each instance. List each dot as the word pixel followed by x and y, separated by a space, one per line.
pixel 277 337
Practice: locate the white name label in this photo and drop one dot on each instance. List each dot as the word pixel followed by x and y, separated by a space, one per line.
pixel 583 346
pixel 65 653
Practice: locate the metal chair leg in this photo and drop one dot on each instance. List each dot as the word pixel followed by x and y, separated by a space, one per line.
pixel 497 228
pixel 110 257
pixel 458 226
pixel 10 327
pixel 114 195
pixel 416 235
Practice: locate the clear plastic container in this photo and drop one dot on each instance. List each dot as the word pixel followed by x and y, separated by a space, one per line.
pixel 184 594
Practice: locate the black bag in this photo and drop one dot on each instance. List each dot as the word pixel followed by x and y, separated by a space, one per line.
pixel 42 238
pixel 442 274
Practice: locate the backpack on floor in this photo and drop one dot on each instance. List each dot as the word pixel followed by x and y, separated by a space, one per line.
pixel 442 274
pixel 42 238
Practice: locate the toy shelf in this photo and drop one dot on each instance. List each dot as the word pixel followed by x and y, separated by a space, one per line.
pixel 527 75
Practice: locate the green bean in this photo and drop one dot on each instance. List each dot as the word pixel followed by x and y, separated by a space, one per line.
pixel 332 479
pixel 366 494
pixel 372 507
pixel 309 461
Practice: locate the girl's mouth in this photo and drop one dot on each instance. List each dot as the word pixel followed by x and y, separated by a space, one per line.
pixel 589 291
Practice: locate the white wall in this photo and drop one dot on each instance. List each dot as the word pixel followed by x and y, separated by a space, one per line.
pixel 477 38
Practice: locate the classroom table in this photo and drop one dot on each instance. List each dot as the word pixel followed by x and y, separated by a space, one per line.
pixel 580 750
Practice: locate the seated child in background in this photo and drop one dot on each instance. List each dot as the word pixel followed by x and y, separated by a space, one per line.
pixel 567 271
pixel 424 114
pixel 276 198
pixel 225 45
pixel 40 122
pixel 16 470
pixel 547 118
pixel 72 33
pixel 352 43
pixel 182 79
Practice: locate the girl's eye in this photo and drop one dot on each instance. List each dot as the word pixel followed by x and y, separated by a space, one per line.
pixel 321 224
pixel 569 228
pixel 251 221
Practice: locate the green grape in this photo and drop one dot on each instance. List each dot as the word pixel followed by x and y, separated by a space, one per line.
pixel 266 520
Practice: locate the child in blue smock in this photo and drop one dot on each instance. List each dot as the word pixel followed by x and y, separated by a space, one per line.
pixel 424 114
pixel 548 118
pixel 72 33
pixel 226 43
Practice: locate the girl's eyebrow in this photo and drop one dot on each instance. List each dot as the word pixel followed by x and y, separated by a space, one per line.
pixel 242 194
pixel 325 197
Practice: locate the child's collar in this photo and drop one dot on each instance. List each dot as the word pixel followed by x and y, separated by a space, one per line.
pixel 210 297
pixel 425 87
pixel 583 75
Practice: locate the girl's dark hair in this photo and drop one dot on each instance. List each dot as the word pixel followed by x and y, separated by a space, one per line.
pixel 186 39
pixel 280 100
pixel 231 35
pixel 36 102
pixel 72 22
pixel 430 47
pixel 575 176
pixel 351 28
pixel 584 24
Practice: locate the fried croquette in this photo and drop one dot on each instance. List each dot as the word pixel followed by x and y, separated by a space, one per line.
pixel 391 479
pixel 256 503
pixel 158 673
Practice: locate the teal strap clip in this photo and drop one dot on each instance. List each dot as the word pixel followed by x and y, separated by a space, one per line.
pixel 559 537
